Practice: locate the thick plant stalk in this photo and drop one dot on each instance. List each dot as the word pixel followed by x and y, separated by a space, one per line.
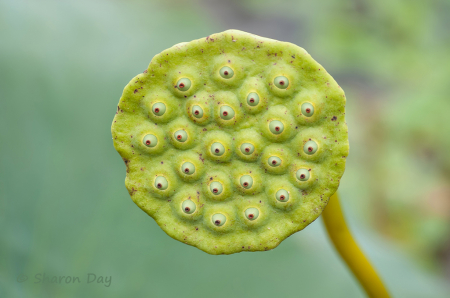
pixel 348 249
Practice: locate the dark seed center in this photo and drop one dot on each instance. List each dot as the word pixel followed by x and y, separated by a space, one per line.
pixel 251 216
pixel 181 85
pixel 217 150
pixel 308 110
pixel 274 162
pixel 179 137
pixel 196 112
pixel 245 184
pixel 302 176
pixel 247 149
pixel 215 190
pixel 148 142
pixel 225 72
pixel 159 185
pixel 277 128
pixel 281 82
pixel 217 222
pixel 225 113
pixel 186 170
pixel 187 209
pixel 252 100
pixel 282 197
pixel 310 149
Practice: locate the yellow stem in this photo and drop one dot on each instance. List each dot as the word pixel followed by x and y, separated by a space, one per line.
pixel 348 249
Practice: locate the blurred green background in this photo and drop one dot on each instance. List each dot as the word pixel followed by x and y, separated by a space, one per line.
pixel 64 209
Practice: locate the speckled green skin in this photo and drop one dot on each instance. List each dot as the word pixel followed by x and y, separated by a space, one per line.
pixel 256 62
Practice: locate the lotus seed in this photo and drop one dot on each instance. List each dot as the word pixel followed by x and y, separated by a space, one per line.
pixel 307 109
pixel 161 183
pixel 246 181
pixel 188 207
pixel 184 84
pixel 226 72
pixel 197 111
pixel 188 168
pixel 217 149
pixel 218 219
pixel 281 82
pixel 159 109
pixel 310 147
pixel 276 127
pixel 253 99
pixel 303 174
pixel 247 148
pixel 226 112
pixel 150 141
pixel 180 135
pixel 252 213
pixel 282 195
pixel 274 161
pixel 216 188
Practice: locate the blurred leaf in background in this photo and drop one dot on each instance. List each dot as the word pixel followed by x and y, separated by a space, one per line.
pixel 64 208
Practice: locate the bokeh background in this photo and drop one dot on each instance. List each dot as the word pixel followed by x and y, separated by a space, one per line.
pixel 64 209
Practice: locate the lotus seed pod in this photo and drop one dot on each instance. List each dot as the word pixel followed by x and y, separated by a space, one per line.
pixel 239 122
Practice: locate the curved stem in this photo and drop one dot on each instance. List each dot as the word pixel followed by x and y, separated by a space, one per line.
pixel 348 249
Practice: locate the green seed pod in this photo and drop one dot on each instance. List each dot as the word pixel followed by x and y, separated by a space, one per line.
pixel 282 79
pixel 302 174
pixel 188 168
pixel 180 135
pixel 226 112
pixel 217 149
pixel 307 109
pixel 246 181
pixel 188 207
pixel 281 82
pixel 310 147
pixel 150 140
pixel 159 109
pixel 226 72
pixel 218 219
pixel 247 148
pixel 216 188
pixel 276 127
pixel 251 213
pixel 282 195
pixel 197 111
pixel 161 183
pixel 253 99
pixel 274 161
pixel 184 84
